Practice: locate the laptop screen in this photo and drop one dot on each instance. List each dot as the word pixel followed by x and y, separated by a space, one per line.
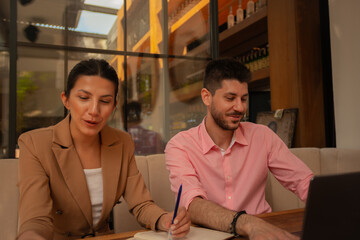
pixel 333 207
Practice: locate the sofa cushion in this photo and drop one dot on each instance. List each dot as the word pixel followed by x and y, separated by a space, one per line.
pixel 159 183
pixel 9 197
pixel 124 221
pixel 338 160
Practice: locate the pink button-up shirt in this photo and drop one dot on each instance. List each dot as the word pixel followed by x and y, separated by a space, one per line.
pixel 237 179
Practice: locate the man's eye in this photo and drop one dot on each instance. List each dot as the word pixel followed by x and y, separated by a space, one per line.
pixel 230 98
pixel 83 98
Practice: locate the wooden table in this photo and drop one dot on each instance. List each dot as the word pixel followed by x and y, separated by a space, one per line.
pixel 290 220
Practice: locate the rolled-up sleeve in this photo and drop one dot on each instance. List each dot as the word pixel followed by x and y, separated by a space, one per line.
pixel 289 170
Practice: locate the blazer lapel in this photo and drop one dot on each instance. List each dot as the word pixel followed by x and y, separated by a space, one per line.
pixel 71 168
pixel 111 158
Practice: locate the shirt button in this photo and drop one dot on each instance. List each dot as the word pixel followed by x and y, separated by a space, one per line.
pixel 228 177
pixel 229 197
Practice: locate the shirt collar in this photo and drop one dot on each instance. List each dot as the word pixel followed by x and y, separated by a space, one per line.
pixel 207 143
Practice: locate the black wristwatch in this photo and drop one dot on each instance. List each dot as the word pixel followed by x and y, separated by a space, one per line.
pixel 233 223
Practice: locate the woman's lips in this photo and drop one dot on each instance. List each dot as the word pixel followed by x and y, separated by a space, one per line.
pixel 91 123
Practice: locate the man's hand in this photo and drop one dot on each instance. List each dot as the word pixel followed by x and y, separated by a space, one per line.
pixel 257 229
pixel 181 225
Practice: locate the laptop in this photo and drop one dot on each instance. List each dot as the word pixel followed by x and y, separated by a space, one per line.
pixel 333 208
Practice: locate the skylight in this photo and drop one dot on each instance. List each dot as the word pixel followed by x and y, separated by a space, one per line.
pixel 93 22
pixel 115 4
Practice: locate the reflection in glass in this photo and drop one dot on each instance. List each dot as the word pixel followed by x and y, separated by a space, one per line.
pixel 144 26
pixel 145 117
pixel 188 24
pixel 186 81
pixel 71 22
pixel 39 85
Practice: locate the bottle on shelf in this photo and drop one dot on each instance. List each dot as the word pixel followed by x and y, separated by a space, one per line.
pixel 255 59
pixel 261 4
pixel 250 8
pixel 239 13
pixel 230 18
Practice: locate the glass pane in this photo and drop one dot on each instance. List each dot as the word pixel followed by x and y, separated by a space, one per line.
pixel 89 24
pixel 144 26
pixel 188 24
pixel 4 22
pixel 4 79
pixel 4 103
pixel 145 108
pixel 40 82
pixel 41 21
pixel 186 107
pixel 117 62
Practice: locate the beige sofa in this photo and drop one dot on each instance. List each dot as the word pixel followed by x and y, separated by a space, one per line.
pixel 319 160
pixel 152 167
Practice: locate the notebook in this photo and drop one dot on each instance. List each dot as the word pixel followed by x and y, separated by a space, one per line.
pixel 333 208
pixel 195 233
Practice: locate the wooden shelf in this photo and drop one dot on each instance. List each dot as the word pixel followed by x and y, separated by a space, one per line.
pixel 260 74
pixel 245 35
pixel 260 80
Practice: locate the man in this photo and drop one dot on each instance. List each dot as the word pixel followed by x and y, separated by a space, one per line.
pixel 146 141
pixel 223 164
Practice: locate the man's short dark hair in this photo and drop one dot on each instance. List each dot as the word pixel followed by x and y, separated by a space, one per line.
pixel 133 110
pixel 218 70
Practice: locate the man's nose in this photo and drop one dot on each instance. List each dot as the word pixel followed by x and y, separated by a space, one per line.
pixel 239 106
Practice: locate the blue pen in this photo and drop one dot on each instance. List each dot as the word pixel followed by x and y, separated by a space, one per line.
pixel 175 211
pixel 177 204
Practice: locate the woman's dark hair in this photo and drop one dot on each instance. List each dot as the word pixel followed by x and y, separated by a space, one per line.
pixel 92 67
pixel 218 70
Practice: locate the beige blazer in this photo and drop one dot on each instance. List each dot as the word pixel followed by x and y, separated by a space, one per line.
pixel 54 198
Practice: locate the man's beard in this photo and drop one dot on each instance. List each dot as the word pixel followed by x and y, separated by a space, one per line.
pixel 221 122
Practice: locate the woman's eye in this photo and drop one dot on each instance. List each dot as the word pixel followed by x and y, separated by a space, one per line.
pixel 105 101
pixel 83 98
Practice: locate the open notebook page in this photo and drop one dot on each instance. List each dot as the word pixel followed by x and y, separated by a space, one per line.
pixel 195 233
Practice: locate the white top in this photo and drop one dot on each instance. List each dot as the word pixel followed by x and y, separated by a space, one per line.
pixel 232 143
pixel 95 185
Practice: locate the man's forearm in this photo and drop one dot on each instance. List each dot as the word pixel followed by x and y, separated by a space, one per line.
pixel 211 215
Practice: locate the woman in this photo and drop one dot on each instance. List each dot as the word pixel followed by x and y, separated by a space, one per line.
pixel 72 174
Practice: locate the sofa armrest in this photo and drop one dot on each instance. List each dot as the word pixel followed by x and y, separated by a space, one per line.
pixel 124 221
pixel 9 198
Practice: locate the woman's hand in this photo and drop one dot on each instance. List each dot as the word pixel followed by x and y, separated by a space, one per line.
pixel 181 225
